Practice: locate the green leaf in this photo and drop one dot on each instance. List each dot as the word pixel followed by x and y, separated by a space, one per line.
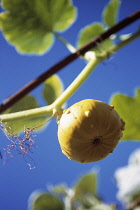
pixel 89 33
pixel 53 87
pixel 28 102
pixel 60 190
pixel 129 110
pixel 103 206
pixel 29 25
pixel 89 201
pixel 45 201
pixel 110 13
pixel 87 184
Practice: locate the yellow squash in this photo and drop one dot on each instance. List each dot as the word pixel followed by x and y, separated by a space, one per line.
pixel 89 131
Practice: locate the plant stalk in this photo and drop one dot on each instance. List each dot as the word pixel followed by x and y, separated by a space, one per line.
pixel 48 110
pixel 70 58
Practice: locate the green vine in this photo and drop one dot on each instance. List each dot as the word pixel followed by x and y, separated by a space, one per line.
pixel 56 105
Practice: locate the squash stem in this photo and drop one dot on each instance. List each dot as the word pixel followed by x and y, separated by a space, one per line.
pixel 48 110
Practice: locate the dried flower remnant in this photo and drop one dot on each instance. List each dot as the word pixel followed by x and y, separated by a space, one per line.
pixel 23 143
pixel 20 144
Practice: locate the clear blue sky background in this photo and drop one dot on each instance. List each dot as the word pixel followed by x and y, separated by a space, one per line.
pixel 119 74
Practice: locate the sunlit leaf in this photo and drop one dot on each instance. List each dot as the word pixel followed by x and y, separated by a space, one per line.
pixel 103 206
pixel 45 201
pixel 28 102
pixel 60 190
pixel 88 201
pixel 129 110
pixel 29 25
pixel 89 33
pixel 110 13
pixel 53 87
pixel 87 184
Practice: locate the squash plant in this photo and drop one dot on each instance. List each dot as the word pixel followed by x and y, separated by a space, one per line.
pixel 43 21
pixel 89 130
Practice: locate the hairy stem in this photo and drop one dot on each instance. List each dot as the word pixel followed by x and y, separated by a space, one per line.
pixel 48 110
pixel 67 60
pixel 89 69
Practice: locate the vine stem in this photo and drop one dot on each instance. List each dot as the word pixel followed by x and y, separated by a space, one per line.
pixel 48 110
pixel 67 60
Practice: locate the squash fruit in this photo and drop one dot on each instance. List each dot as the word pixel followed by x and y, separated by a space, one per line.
pixel 89 131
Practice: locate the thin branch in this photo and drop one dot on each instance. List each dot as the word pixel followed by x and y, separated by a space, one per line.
pixel 67 60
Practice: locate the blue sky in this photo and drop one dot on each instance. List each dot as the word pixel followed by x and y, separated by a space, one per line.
pixel 118 74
